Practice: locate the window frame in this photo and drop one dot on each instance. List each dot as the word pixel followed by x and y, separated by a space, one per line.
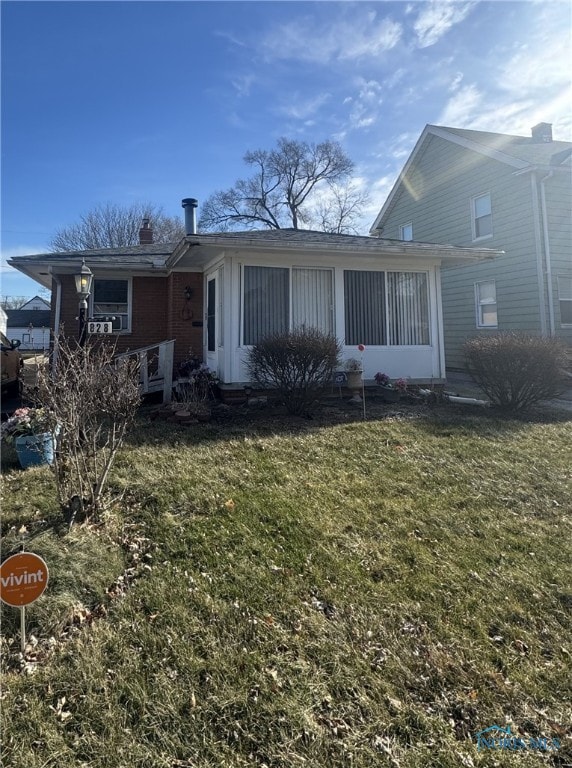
pixel 402 228
pixel 567 299
pixel 388 321
pixel 475 218
pixel 94 315
pixel 479 303
pixel 290 269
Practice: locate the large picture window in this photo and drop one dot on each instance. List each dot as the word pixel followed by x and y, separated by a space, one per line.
pixel 386 309
pixel 279 298
pixel 111 299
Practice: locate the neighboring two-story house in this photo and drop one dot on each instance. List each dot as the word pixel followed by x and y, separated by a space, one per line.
pixel 511 193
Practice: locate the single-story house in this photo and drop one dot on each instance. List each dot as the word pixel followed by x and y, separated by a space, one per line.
pixel 30 324
pixel 217 294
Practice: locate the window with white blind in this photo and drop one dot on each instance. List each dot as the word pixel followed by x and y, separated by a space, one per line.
pixel 482 216
pixel 276 299
pixel 312 300
pixel 408 308
pixel 486 304
pixel 111 300
pixel 386 308
pixel 364 304
pixel 565 299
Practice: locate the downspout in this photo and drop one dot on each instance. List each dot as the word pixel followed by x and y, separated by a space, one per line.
pixel 58 312
pixel 439 324
pixel 57 316
pixel 538 246
pixel 547 252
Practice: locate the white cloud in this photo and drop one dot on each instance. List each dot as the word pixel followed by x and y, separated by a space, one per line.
pixel 302 109
pixel 242 84
pixel 456 81
pixel 462 109
pixel 343 39
pixel 437 18
pixel 366 104
pixel 537 70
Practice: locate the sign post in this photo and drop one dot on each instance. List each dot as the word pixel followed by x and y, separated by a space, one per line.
pixel 23 578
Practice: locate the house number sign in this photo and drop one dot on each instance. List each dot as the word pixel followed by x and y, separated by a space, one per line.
pixel 100 326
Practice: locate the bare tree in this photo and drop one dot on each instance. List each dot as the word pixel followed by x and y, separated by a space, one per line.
pixel 14 302
pixel 92 400
pixel 113 226
pixel 340 209
pixel 289 188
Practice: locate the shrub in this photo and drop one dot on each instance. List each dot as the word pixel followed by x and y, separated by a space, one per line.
pixel 299 364
pixel 94 400
pixel 517 370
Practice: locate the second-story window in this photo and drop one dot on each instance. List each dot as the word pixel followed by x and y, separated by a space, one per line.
pixel 482 216
pixel 406 232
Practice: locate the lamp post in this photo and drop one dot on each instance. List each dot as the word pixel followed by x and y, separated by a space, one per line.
pixel 83 286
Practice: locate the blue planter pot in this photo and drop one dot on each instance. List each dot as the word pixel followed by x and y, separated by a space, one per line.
pixel 35 450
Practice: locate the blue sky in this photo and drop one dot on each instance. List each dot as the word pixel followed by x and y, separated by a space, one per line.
pixel 156 101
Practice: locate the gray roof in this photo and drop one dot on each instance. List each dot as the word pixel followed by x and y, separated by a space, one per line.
pixel 131 254
pixel 196 249
pixel 523 148
pixel 22 318
pixel 147 255
pixel 312 237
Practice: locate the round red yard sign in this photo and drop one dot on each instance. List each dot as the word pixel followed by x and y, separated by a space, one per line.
pixel 23 578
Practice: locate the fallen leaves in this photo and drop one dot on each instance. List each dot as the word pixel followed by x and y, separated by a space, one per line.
pixel 59 711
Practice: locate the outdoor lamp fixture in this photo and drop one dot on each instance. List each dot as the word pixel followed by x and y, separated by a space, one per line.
pixel 83 282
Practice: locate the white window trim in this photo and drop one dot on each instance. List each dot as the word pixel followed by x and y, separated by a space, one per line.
pixel 474 218
pixel 401 230
pixel 479 304
pixel 386 271
pixel 290 268
pixel 558 278
pixel 129 281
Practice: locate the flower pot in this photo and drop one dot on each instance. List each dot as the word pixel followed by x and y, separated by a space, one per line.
pixel 354 380
pixel 390 395
pixel 35 450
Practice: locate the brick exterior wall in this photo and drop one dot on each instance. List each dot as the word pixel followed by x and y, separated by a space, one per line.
pixel 185 319
pixel 160 312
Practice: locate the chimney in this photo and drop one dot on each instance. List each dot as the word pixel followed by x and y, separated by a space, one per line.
pixel 145 233
pixel 190 206
pixel 542 133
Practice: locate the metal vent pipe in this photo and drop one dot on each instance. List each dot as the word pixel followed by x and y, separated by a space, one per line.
pixel 190 206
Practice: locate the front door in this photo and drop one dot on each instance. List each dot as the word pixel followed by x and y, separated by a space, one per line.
pixel 212 323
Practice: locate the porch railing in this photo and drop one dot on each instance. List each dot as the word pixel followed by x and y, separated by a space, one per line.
pixel 155 367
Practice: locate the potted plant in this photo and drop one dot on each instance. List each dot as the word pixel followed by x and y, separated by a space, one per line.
pixel 33 432
pixel 354 372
